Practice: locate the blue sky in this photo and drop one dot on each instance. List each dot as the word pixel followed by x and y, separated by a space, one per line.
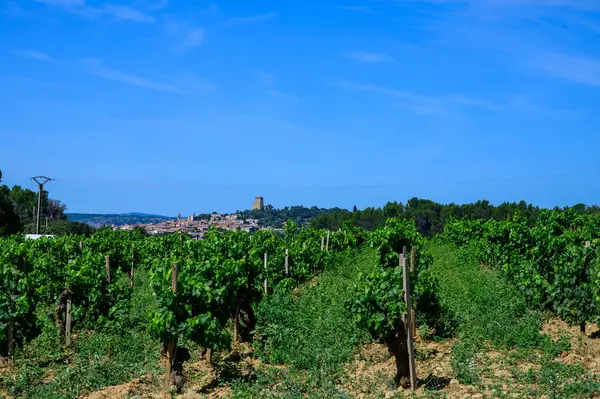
pixel 167 106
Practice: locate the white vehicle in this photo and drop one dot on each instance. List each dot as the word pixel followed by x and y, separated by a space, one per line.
pixel 36 236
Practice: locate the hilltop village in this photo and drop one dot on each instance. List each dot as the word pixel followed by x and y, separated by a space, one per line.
pixel 197 226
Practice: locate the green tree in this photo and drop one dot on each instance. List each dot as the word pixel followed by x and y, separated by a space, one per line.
pixel 141 230
pixel 65 227
pixel 9 220
pixel 24 201
pixel 430 217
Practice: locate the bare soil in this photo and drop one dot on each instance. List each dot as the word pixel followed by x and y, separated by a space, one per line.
pixel 371 373
pixel 141 387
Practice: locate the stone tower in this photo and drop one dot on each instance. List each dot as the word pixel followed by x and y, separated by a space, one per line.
pixel 259 204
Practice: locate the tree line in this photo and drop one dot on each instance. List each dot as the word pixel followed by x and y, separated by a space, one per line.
pixel 430 217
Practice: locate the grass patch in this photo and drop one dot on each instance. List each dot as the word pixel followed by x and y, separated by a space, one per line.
pixel 311 329
pixel 481 304
pixel 297 384
pixel 481 307
pixel 98 359
pixel 115 354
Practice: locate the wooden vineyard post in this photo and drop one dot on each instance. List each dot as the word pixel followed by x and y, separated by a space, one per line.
pixel 413 255
pixel 108 268
pixel 345 236
pixel 171 344
pixel 236 323
pixel 68 317
pixel 304 245
pixel 170 351
pixel 80 244
pixel 327 244
pixel 409 332
pixel 11 343
pixel 11 339
pixel 404 251
pixel 174 276
pixel 209 353
pixel 132 272
pixel 287 267
pixel 68 322
pixel 266 273
pixel 587 244
pixel 322 243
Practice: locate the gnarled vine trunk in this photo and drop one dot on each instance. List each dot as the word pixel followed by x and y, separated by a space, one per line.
pixel 248 321
pixel 396 344
pixel 180 356
pixel 60 313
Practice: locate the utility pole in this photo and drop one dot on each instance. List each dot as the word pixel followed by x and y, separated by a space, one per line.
pixel 40 180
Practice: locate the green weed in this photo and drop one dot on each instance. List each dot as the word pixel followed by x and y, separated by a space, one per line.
pixel 118 353
pixel 483 307
pixel 312 330
pixel 560 380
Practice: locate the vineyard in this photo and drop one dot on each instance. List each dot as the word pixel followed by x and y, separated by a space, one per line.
pixel 217 277
pixel 307 300
pixel 556 263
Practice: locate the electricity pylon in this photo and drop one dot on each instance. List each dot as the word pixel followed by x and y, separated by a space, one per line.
pixel 40 180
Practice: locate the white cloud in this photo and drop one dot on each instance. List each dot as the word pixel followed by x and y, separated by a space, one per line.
pixel 582 70
pixel 63 3
pixel 116 11
pixel 37 55
pixel 514 31
pixel 252 19
pixel 418 103
pixel 189 82
pixel 193 38
pixel 264 78
pixel 575 4
pixel 184 83
pixel 368 57
pixel 283 96
pixel 95 67
pixel 267 83
pixel 151 4
pixel 424 108
pixel 355 8
pixel 126 13
pixel 184 33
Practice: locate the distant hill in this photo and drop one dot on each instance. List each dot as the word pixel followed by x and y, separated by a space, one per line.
pixel 99 220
